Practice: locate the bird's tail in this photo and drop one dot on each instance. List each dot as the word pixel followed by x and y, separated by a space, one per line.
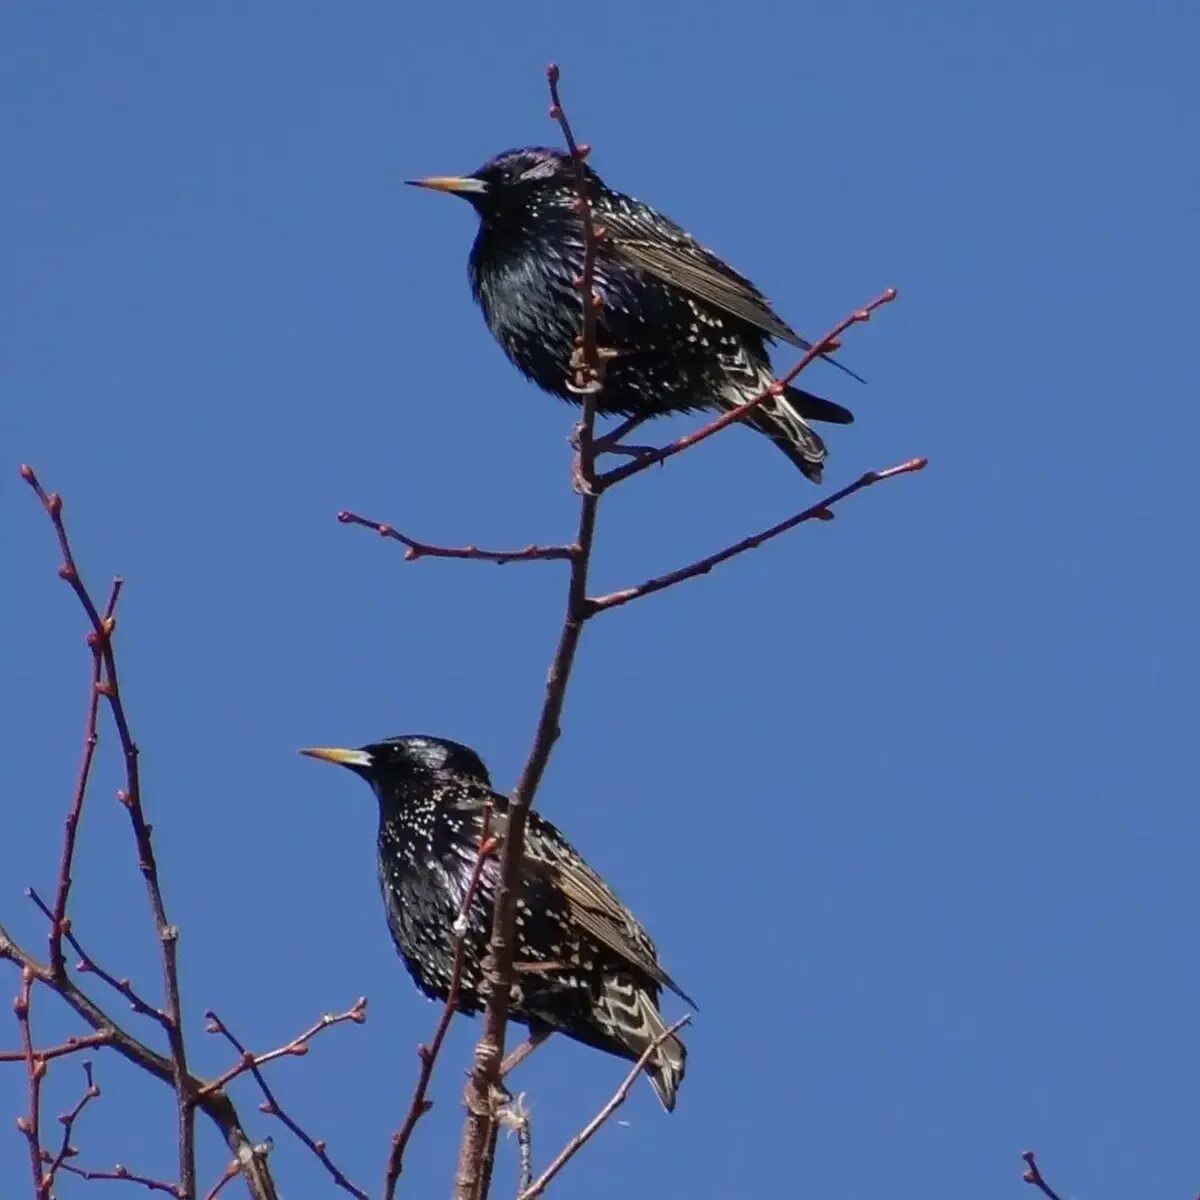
pixel 634 1024
pixel 666 1066
pixel 784 419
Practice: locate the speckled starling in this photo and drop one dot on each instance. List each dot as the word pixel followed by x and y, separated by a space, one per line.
pixel 585 967
pixel 687 330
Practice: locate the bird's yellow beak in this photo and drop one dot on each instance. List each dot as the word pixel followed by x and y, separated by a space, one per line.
pixel 343 758
pixel 459 185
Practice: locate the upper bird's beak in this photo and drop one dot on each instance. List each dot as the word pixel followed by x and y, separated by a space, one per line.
pixel 343 758
pixel 459 185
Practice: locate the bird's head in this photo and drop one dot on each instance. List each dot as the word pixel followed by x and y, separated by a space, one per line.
pixel 514 185
pixel 397 761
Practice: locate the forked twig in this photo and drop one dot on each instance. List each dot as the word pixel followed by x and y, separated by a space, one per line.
pixel 271 1106
pixel 108 685
pixel 1033 1176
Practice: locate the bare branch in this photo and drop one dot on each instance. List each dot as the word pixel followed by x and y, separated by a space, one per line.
pixel 824 346
pixel 233 1169
pixel 88 965
pixel 123 1174
pixel 35 1069
pixel 585 1135
pixel 71 1046
pixel 297 1047
pixel 821 511
pixel 68 1119
pixel 272 1107
pixel 109 686
pixel 58 917
pixel 428 1055
pixel 469 1183
pixel 417 549
pixel 1033 1176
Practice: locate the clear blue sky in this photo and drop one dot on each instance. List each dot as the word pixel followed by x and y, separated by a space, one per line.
pixel 907 800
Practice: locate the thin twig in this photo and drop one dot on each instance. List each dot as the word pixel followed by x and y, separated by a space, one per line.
pixel 233 1169
pixel 654 457
pixel 615 1101
pixel 428 1054
pixel 816 512
pixel 415 549
pixel 71 1046
pixel 58 916
pixel 68 1119
pixel 1034 1176
pixel 217 1107
pixel 88 965
pixel 297 1047
pixel 515 1117
pixel 471 1176
pixel 168 936
pixel 272 1107
pixel 35 1068
pixel 123 1174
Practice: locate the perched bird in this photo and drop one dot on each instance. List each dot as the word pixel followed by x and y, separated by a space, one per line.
pixel 585 967
pixel 687 330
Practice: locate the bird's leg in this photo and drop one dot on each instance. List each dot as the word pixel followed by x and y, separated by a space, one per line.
pixel 516 1057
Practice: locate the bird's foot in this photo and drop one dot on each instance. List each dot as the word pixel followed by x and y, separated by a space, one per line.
pixel 519 1054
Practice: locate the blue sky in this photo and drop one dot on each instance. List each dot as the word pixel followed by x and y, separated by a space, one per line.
pixel 907 800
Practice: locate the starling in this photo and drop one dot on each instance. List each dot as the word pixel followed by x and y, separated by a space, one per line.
pixel 687 332
pixel 585 967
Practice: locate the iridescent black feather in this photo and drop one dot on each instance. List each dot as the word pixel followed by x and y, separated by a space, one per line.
pixel 585 967
pixel 689 331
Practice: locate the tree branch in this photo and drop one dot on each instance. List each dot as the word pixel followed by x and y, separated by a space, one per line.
pixel 585 1135
pixel 58 917
pixel 819 511
pixel 68 1119
pixel 417 549
pixel 1033 1176
pixel 271 1105
pixel 827 344
pixel 470 1181
pixel 297 1047
pixel 109 686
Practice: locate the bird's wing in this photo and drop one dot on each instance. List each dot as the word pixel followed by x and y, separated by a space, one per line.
pixel 661 248
pixel 591 903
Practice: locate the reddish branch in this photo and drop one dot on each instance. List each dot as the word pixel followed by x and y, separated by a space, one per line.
pixel 71 1046
pixel 191 1093
pixel 428 1055
pixel 35 1069
pixel 123 1174
pixel 108 685
pixel 415 549
pixel 816 512
pixel 271 1106
pixel 1034 1177
pixel 826 345
pixel 478 1134
pixel 585 1135
pixel 58 917
pixel 88 965
pixel 68 1119
pixel 297 1047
